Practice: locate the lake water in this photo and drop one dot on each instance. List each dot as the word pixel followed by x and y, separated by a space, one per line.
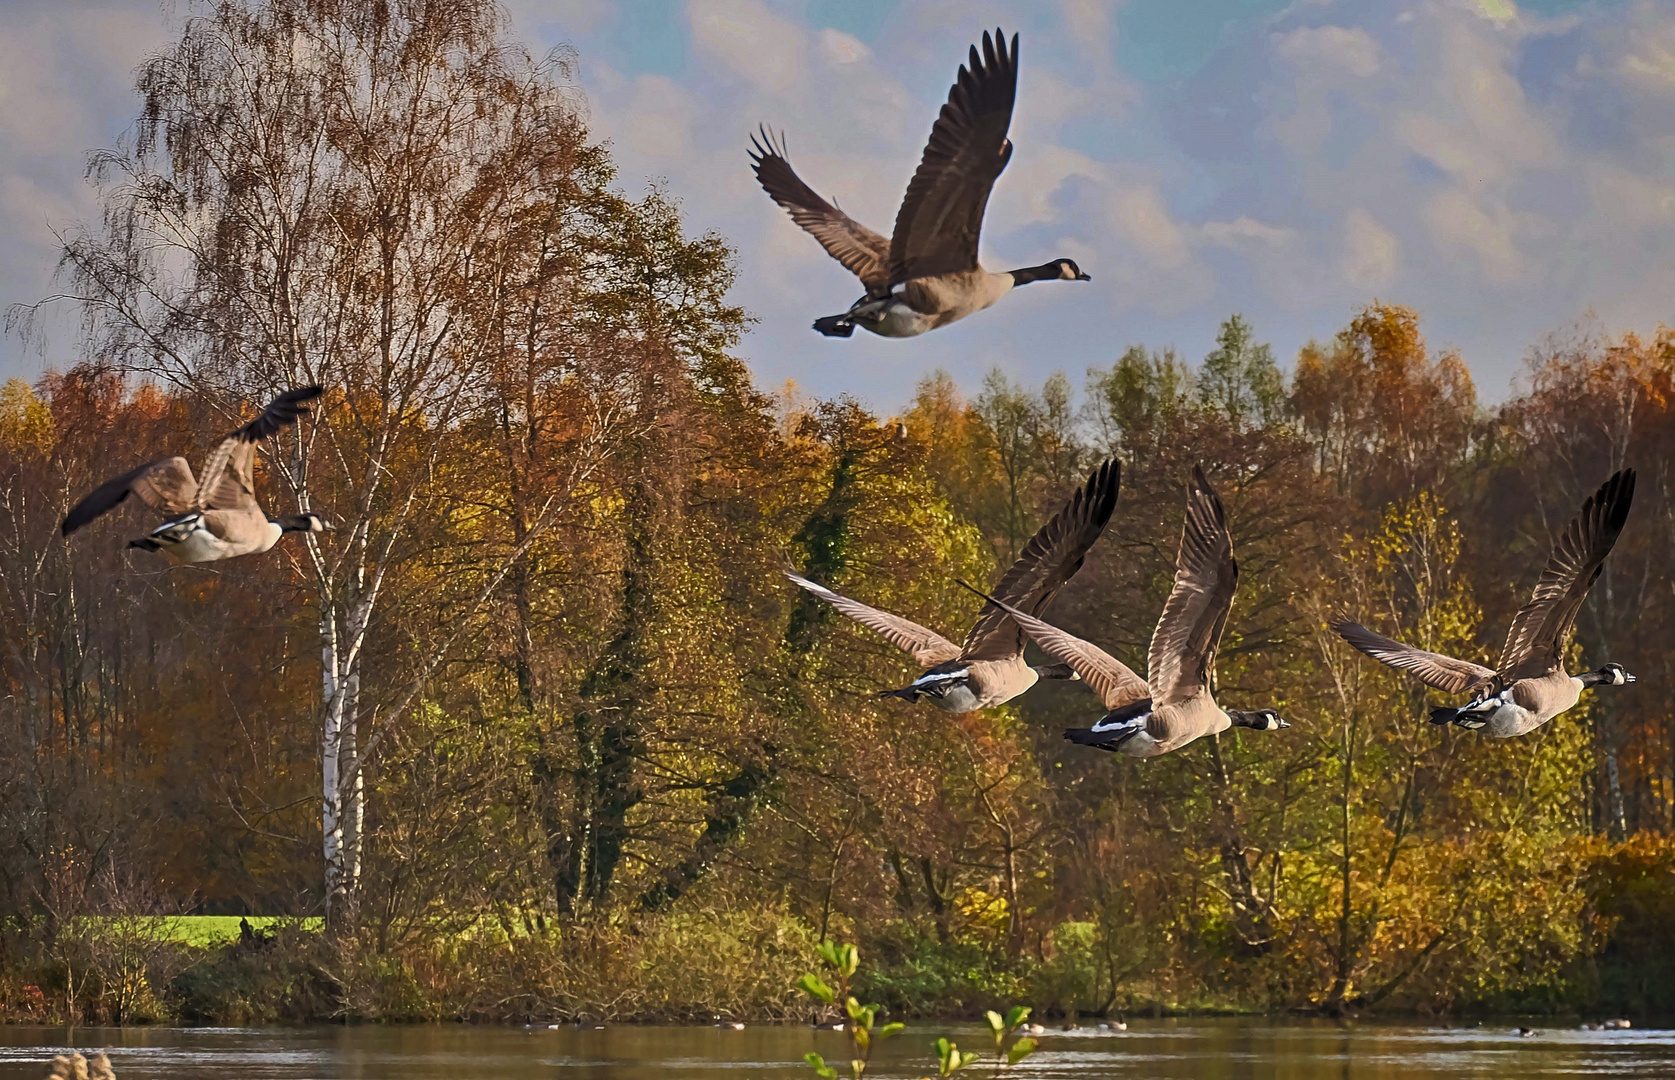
pixel 1162 1049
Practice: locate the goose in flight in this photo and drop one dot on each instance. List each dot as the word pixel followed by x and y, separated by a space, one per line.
pixel 926 274
pixel 217 518
pixel 1529 686
pixel 1174 706
pixel 989 668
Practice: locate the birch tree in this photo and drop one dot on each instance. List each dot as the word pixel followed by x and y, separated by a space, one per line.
pixel 335 192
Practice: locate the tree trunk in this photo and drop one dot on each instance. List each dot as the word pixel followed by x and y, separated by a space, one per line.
pixel 1251 915
pixel 1618 817
pixel 607 726
pixel 729 809
pixel 342 780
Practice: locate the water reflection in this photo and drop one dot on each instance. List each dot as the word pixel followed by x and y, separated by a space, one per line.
pixel 1155 1050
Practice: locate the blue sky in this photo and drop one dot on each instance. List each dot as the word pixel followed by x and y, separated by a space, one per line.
pixel 1508 169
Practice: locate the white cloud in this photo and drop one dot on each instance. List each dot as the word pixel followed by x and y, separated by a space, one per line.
pixel 766 49
pixel 1488 232
pixel 1139 216
pixel 1247 232
pixel 837 47
pixel 65 87
pixel 1651 61
pixel 1346 49
pixel 1372 254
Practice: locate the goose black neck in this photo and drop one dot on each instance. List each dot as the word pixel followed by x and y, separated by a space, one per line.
pixel 295 522
pixel 1037 273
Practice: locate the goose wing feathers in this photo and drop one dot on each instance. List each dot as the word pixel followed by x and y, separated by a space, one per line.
pixel 1535 642
pixel 1433 669
pixel 926 646
pixel 233 485
pixel 1051 558
pixel 863 252
pixel 281 412
pixel 941 217
pixel 1114 681
pixel 166 485
pixel 229 482
pixel 1181 661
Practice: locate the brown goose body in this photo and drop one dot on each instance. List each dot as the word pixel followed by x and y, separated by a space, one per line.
pixel 926 274
pixel 217 517
pixel 989 668
pixel 1174 706
pixel 1172 726
pixel 1529 686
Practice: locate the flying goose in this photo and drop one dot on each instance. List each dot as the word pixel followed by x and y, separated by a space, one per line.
pixel 989 668
pixel 219 517
pixel 933 254
pixel 1175 707
pixel 1529 687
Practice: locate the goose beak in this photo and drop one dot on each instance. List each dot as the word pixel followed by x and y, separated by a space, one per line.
pixel 1084 277
pixel 1627 678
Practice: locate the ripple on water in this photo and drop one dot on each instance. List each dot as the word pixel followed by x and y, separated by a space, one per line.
pixel 1153 1050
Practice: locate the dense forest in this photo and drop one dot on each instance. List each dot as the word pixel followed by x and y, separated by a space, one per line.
pixel 541 730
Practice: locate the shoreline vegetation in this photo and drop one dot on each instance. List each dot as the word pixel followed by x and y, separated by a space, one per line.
pixel 743 966
pixel 540 731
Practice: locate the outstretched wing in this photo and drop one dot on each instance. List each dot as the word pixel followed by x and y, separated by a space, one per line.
pixel 941 217
pixel 1182 658
pixel 863 252
pixel 1536 640
pixel 1433 669
pixel 234 485
pixel 229 481
pixel 166 485
pixel 281 412
pixel 1051 558
pixel 1114 681
pixel 926 646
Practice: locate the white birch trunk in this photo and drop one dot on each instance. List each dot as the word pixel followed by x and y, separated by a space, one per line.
pixel 331 751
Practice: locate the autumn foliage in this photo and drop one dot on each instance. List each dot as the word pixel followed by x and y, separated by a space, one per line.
pixel 596 756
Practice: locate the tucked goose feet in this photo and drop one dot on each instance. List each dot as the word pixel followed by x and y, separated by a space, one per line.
pixel 836 325
pixel 1460 717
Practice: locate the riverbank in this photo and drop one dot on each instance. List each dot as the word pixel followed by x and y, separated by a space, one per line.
pixel 697 967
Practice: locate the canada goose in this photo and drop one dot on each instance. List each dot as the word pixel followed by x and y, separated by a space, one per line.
pixel 1175 707
pixel 218 518
pixel 989 668
pixel 1530 686
pixel 933 252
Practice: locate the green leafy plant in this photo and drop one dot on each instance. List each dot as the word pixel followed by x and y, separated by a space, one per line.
pixel 842 960
pixel 1006 1028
